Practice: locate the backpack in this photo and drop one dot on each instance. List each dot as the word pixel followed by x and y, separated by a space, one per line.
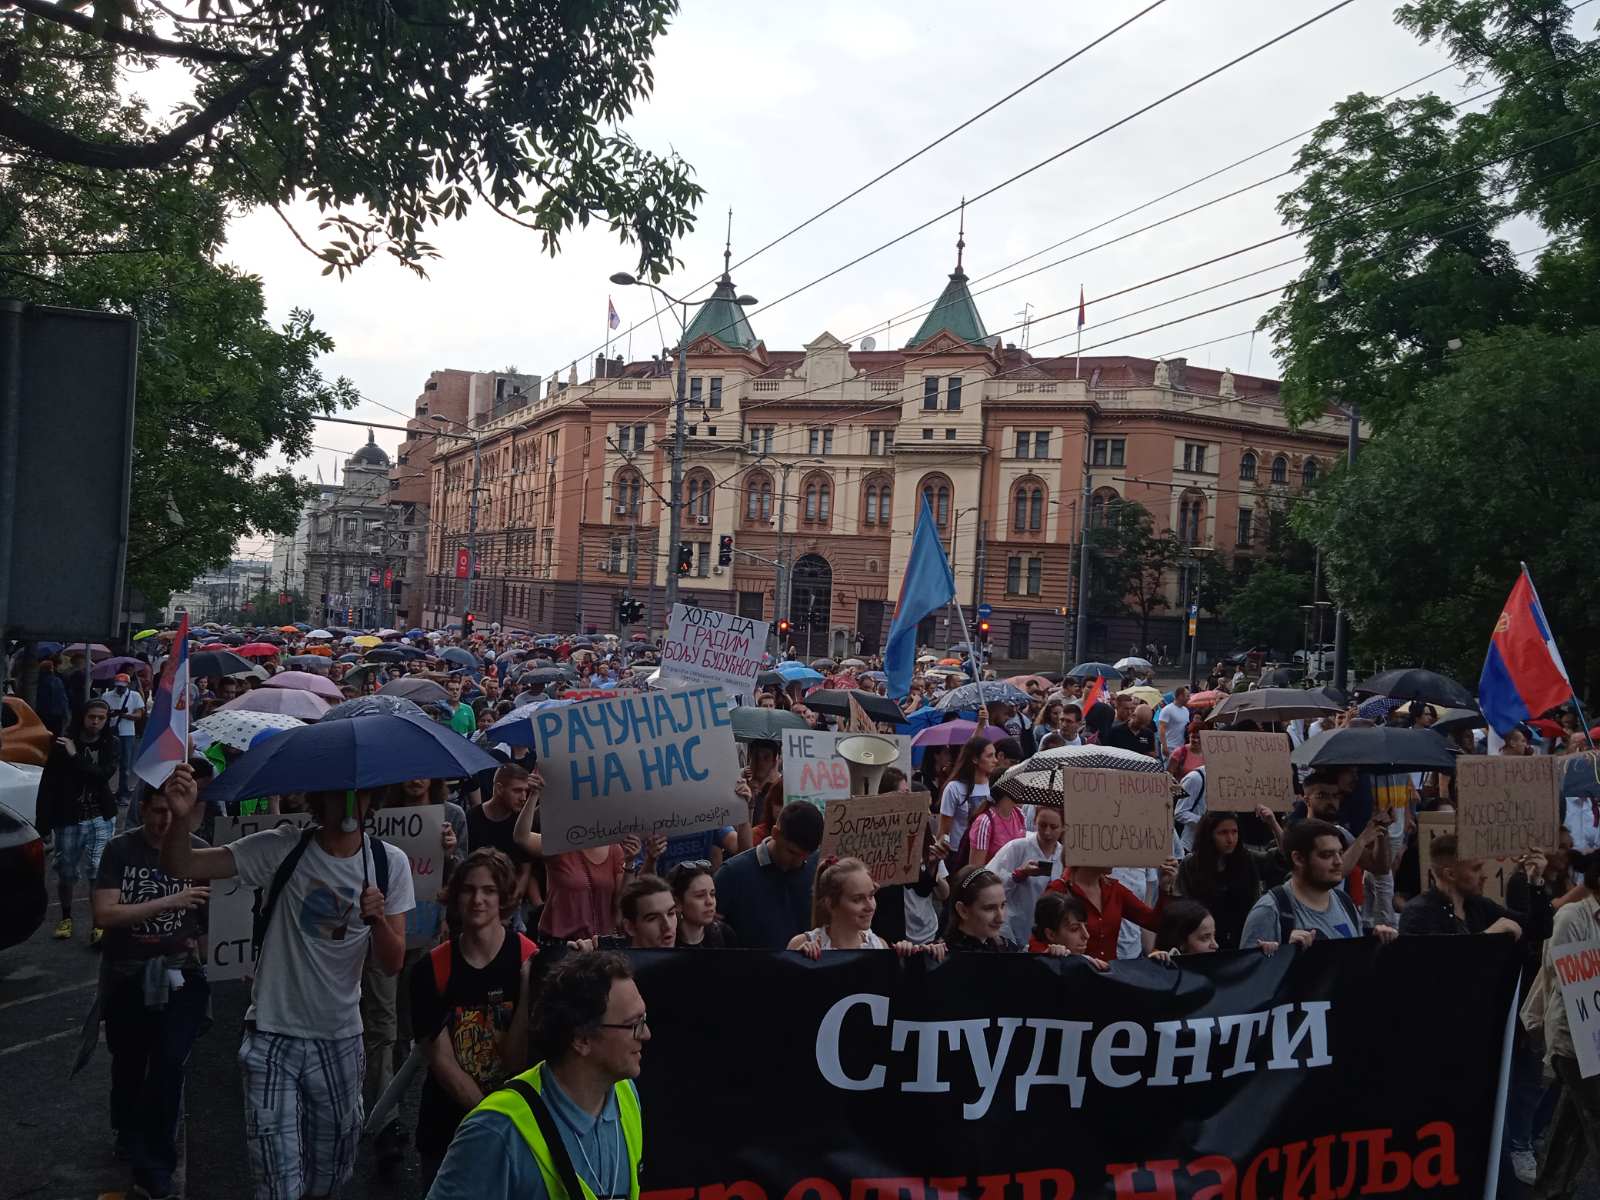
pixel 1285 906
pixel 442 956
pixel 261 916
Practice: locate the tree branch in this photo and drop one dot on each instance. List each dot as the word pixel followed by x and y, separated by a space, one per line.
pixel 56 143
pixel 145 43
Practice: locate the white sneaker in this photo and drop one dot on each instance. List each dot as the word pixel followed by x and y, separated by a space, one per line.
pixel 1524 1166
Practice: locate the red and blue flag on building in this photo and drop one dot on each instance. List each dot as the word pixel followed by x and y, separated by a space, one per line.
pixel 1523 675
pixel 166 734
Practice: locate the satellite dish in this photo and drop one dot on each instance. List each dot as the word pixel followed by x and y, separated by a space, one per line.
pixel 869 343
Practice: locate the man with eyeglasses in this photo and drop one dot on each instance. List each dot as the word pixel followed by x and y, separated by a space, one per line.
pixel 571 1126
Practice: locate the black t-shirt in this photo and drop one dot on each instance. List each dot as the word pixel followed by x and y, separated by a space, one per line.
pixel 484 831
pixel 1123 737
pixel 133 866
pixel 475 1011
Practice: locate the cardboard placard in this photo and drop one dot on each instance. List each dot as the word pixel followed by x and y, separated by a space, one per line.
pixel 1577 969
pixel 1507 804
pixel 813 770
pixel 230 920
pixel 1116 818
pixel 416 832
pixel 1247 770
pixel 859 722
pixel 658 762
pixel 706 646
pixel 1497 872
pixel 884 831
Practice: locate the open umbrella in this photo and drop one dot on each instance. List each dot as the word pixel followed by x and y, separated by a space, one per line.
pixel 288 701
pixel 836 703
pixel 847 683
pixel 367 640
pixel 123 664
pixel 970 695
pixel 363 706
pixel 288 629
pixel 1200 701
pixel 416 689
pixel 306 681
pixel 146 633
pixel 769 679
pixel 794 672
pixel 1143 693
pixel 1581 776
pixel 1133 665
pixel 546 675
pixel 1451 719
pixel 1024 681
pixel 1089 670
pixel 387 654
pixel 855 663
pixel 257 650
pixel 1277 677
pixel 516 727
pixel 763 724
pixel 307 662
pixel 1273 704
pixel 205 664
pixel 926 659
pixel 1416 683
pixel 462 658
pixel 954 733
pixel 366 752
pixel 319 633
pixel 1037 780
pixel 822 664
pixel 1376 747
pixel 239 729
pixel 95 650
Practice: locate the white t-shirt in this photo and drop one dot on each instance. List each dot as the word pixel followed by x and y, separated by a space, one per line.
pixel 869 940
pixel 309 981
pixel 1175 726
pixel 922 912
pixel 1582 824
pixel 957 803
pixel 124 708
pixel 1023 894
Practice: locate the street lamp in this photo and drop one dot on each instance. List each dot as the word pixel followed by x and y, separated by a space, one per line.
pixel 1196 559
pixel 675 502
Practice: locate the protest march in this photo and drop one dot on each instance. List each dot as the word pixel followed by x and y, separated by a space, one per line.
pixel 495 908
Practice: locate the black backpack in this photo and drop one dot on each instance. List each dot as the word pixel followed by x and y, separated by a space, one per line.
pixel 1285 906
pixel 261 915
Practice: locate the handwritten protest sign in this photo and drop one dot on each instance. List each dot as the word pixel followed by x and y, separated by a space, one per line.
pixel 1577 968
pixel 707 646
pixel 884 831
pixel 1506 804
pixel 859 722
pixel 658 762
pixel 229 915
pixel 1496 871
pixel 1246 770
pixel 416 833
pixel 1116 818
pixel 813 770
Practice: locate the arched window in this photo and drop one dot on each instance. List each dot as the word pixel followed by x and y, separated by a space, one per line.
pixel 869 514
pixel 1280 469
pixel 626 489
pixel 1103 507
pixel 1308 473
pixel 875 498
pixel 939 494
pixel 758 497
pixel 698 490
pixel 1192 518
pixel 1247 465
pixel 1027 505
pixel 817 491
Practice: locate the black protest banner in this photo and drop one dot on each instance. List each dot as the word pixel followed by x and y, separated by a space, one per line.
pixel 1348 1068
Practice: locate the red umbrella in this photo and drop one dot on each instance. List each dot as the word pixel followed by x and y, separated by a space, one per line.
pixel 257 650
pixel 1206 699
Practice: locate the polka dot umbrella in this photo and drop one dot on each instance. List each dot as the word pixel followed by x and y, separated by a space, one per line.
pixel 237 729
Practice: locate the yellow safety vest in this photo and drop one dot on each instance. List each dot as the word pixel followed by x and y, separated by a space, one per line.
pixel 514 1108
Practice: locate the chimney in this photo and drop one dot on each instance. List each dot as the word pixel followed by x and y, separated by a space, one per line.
pixel 600 366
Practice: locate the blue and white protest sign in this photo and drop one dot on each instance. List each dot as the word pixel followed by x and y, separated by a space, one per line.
pixel 707 646
pixel 657 762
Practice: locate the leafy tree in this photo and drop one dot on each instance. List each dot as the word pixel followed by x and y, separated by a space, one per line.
pixel 1265 609
pixel 1132 564
pixel 391 118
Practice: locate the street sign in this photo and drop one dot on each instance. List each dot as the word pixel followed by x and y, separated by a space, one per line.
pixel 1192 624
pixel 1194 611
pixel 985 611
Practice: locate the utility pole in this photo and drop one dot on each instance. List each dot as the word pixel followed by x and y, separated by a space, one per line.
pixel 579 613
pixel 1341 621
pixel 1081 638
pixel 675 493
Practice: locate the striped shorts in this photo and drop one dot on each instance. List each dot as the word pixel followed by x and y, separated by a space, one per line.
pixel 302 1112
pixel 79 846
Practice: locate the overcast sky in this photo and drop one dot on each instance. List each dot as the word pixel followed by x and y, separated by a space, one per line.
pixel 781 117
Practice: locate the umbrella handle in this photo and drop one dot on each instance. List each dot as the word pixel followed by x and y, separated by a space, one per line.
pixel 365 882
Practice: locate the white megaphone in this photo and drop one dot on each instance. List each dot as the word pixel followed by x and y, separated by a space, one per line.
pixel 868 756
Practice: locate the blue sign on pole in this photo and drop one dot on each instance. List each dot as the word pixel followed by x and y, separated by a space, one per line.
pixel 1194 611
pixel 985 611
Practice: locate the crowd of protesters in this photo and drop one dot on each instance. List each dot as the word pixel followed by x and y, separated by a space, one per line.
pixel 523 973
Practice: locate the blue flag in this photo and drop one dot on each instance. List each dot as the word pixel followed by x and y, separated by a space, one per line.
pixel 927 587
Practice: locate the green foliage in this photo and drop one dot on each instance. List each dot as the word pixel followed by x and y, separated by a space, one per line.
pixel 391 118
pixel 1131 564
pixel 1265 609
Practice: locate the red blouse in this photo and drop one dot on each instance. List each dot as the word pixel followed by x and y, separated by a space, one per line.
pixel 1105 923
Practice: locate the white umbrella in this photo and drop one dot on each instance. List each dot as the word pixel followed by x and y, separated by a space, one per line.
pixel 238 728
pixel 318 633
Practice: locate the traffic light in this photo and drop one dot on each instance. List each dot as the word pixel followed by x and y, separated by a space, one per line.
pixel 685 557
pixel 725 550
pixel 629 611
pixel 783 629
pixel 466 625
pixel 983 631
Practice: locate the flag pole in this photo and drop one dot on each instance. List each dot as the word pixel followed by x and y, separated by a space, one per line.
pixel 1577 705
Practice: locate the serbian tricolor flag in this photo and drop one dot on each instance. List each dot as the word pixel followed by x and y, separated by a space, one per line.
pixel 1095 694
pixel 1523 675
pixel 166 734
pixel 612 320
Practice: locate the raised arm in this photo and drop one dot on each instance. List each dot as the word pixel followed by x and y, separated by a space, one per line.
pixel 523 834
pixel 179 858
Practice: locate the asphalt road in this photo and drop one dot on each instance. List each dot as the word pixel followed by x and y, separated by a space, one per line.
pixel 56 1139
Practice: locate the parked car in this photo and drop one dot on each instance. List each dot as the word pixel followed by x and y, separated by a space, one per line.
pixel 19 789
pixel 23 736
pixel 23 898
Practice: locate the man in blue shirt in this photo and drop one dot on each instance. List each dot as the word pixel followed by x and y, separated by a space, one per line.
pixel 590 1018
pixel 765 893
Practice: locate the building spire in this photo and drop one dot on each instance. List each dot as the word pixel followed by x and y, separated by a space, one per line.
pixel 961 235
pixel 727 248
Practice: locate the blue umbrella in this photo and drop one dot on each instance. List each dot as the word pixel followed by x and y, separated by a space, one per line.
pixel 415 633
pixel 516 727
pixel 364 706
pixel 877 676
pixel 461 657
pixel 366 752
pixel 794 672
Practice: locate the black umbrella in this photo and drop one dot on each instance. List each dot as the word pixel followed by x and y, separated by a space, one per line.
pixel 763 724
pixel 547 675
pixel 216 663
pixel 1089 670
pixel 1277 677
pixel 416 689
pixel 836 703
pixel 1380 748
pixel 385 654
pixel 364 705
pixel 1414 683
pixel 769 679
pixel 825 665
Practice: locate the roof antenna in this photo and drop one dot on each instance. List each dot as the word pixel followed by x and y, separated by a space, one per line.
pixel 961 234
pixel 727 247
